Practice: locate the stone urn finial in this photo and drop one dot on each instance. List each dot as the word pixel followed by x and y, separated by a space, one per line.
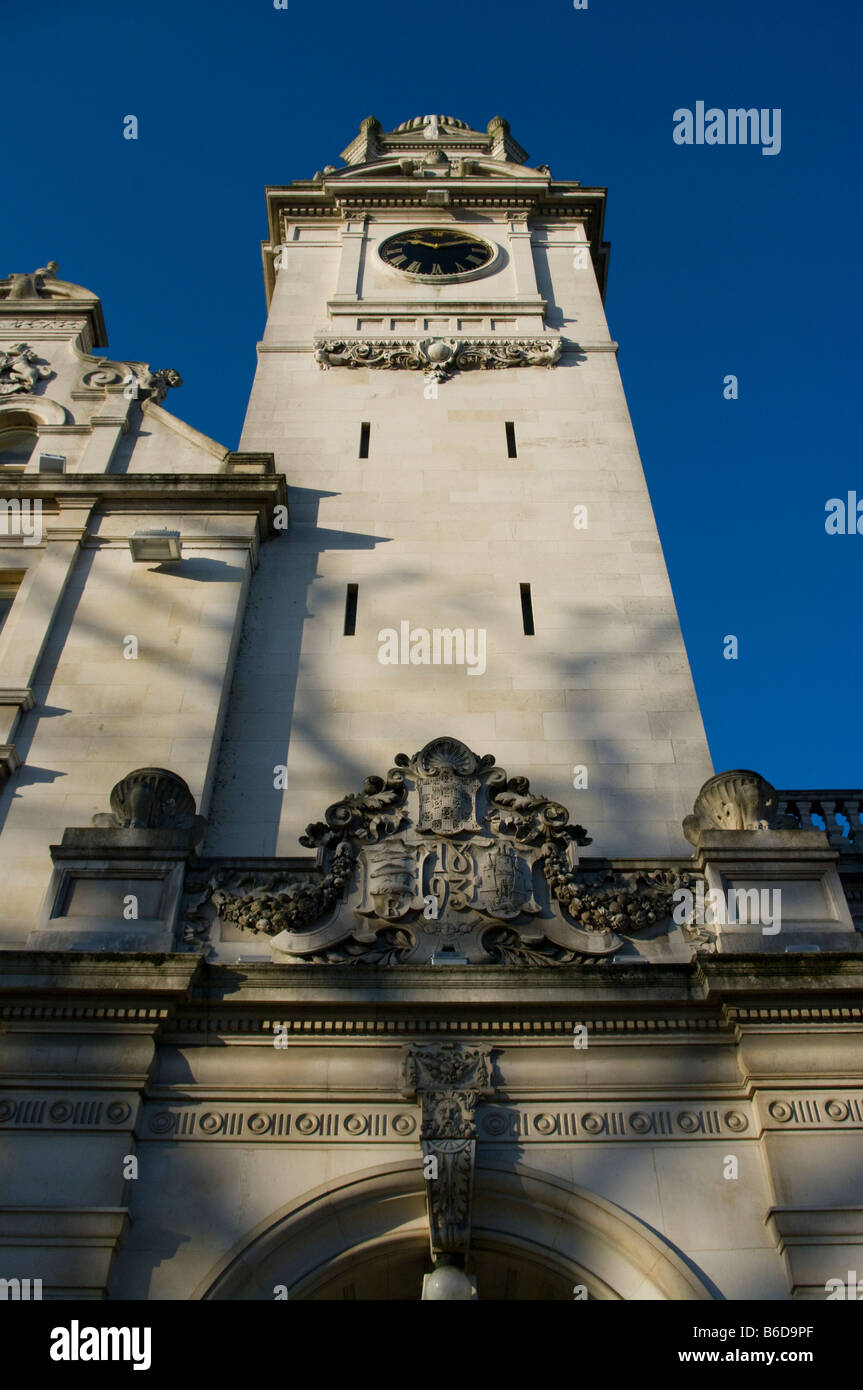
pixel 736 800
pixel 152 798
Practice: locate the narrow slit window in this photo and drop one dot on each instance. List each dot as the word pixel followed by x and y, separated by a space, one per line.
pixel 351 610
pixel 365 431
pixel 510 440
pixel 527 611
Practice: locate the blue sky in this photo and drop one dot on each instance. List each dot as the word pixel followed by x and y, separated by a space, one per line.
pixel 724 260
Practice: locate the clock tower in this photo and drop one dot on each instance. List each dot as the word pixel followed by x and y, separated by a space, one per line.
pixel 471 548
pixel 299 748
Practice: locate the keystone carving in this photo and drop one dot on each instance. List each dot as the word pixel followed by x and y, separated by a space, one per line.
pixel 439 358
pixel 449 1080
pixel 737 800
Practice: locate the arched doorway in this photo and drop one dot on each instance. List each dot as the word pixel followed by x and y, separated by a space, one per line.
pixel 533 1236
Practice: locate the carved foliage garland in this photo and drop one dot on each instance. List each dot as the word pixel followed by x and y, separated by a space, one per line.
pixel 439 358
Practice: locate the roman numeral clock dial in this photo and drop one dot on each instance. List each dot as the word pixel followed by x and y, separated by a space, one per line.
pixel 436 253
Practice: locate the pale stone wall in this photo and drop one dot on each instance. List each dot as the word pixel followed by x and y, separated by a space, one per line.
pixel 97 715
pixel 439 527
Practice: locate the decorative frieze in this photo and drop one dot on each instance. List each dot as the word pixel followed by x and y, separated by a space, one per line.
pixel 69 1110
pixel 347 1123
pixel 825 1110
pixel 597 1121
pixel 43 325
pixel 452 1113
pixel 437 357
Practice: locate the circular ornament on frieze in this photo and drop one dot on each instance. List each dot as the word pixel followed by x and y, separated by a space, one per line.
pixel 688 1121
pixel 118 1111
pixel 163 1123
pixel 259 1124
pixel 308 1124
pixel 7 1110
pixel 211 1123
pixel 545 1124
pixel 404 1124
pixel 357 1124
pixel 639 1122
pixel 736 1121
pixel 592 1123
pixel 781 1110
pixel 837 1109
pixel 60 1111
pixel 495 1124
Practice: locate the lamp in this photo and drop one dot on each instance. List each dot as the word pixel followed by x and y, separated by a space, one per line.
pixel 156 545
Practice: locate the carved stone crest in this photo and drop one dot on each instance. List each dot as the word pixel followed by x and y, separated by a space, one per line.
pixel 446 786
pixel 446 860
pixel 20 369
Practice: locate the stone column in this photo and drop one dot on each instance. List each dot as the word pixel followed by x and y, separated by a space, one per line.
pixel 522 255
pixel 353 236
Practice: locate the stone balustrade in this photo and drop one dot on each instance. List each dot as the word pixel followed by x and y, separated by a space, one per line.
pixel 839 811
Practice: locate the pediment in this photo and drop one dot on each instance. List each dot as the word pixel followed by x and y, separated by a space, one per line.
pixel 411 165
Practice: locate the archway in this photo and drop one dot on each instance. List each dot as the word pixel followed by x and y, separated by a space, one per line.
pixel 533 1236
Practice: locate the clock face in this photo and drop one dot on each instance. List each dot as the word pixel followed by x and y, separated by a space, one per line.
pixel 436 253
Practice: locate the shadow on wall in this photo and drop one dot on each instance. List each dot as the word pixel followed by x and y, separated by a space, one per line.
pixel 591 645
pixel 260 722
pixel 104 647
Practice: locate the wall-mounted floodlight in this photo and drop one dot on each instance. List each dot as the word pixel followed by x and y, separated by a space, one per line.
pixel 156 545
pixel 52 463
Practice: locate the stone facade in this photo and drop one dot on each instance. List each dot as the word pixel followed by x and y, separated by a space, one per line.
pixel 347 953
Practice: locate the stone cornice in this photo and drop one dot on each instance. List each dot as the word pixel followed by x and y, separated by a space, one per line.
pixel 530 304
pixel 709 995
pixel 526 191
pixel 159 491
pixel 64 311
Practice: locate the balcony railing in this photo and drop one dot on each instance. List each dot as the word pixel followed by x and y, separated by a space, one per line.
pixel 837 812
